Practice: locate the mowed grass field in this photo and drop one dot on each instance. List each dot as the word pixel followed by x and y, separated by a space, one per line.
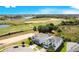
pixel 14 29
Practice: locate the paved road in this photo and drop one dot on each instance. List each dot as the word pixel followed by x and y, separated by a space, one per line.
pixel 24 49
pixel 15 39
pixel 20 49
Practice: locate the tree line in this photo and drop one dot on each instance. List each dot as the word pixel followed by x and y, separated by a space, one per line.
pixel 76 22
pixel 5 17
pixel 45 28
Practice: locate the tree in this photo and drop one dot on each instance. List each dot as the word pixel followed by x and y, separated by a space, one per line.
pixel 46 28
pixel 30 40
pixel 34 28
pixel 2 18
pixel 62 23
pixel 41 29
pixel 51 27
pixel 23 43
pixel 59 30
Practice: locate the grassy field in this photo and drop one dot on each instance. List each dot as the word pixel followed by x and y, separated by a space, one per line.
pixel 20 26
pixel 13 22
pixel 55 21
pixel 16 34
pixel 25 28
pixel 14 29
pixel 37 19
pixel 70 32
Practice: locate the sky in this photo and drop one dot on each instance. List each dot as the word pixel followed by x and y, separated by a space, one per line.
pixel 39 10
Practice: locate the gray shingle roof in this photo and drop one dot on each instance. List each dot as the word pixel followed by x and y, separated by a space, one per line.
pixel 46 39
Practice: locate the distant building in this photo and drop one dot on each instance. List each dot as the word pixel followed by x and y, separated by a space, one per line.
pixel 72 47
pixel 46 39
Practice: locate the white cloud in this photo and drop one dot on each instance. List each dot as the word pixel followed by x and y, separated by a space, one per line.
pixel 70 12
pixel 7 6
pixel 76 7
pixel 48 11
pixel 56 11
pixel 10 6
pixel 44 11
pixel 39 3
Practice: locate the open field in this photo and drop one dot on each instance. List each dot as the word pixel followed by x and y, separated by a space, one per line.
pixel 37 19
pixel 21 28
pixel 15 39
pixel 16 34
pixel 48 20
pixel 25 27
pixel 14 29
pixel 13 22
pixel 70 32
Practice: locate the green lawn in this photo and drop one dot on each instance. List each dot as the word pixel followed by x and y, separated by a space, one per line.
pixel 14 29
pixel 27 42
pixel 64 48
pixel 38 47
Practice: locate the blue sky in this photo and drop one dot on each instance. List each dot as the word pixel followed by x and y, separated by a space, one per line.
pixel 39 10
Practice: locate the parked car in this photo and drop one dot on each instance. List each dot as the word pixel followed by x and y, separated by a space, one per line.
pixel 15 47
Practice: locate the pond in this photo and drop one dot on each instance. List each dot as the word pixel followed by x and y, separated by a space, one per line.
pixel 27 18
pixel 4 26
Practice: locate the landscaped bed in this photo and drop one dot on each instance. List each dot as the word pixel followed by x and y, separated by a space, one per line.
pixel 64 49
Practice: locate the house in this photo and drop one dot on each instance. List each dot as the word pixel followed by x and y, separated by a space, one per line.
pixel 72 47
pixel 47 39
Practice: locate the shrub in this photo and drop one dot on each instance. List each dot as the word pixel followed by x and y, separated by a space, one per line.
pixel 34 28
pixel 23 42
pixel 15 47
pixel 59 30
pixel 23 45
pixel 30 41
